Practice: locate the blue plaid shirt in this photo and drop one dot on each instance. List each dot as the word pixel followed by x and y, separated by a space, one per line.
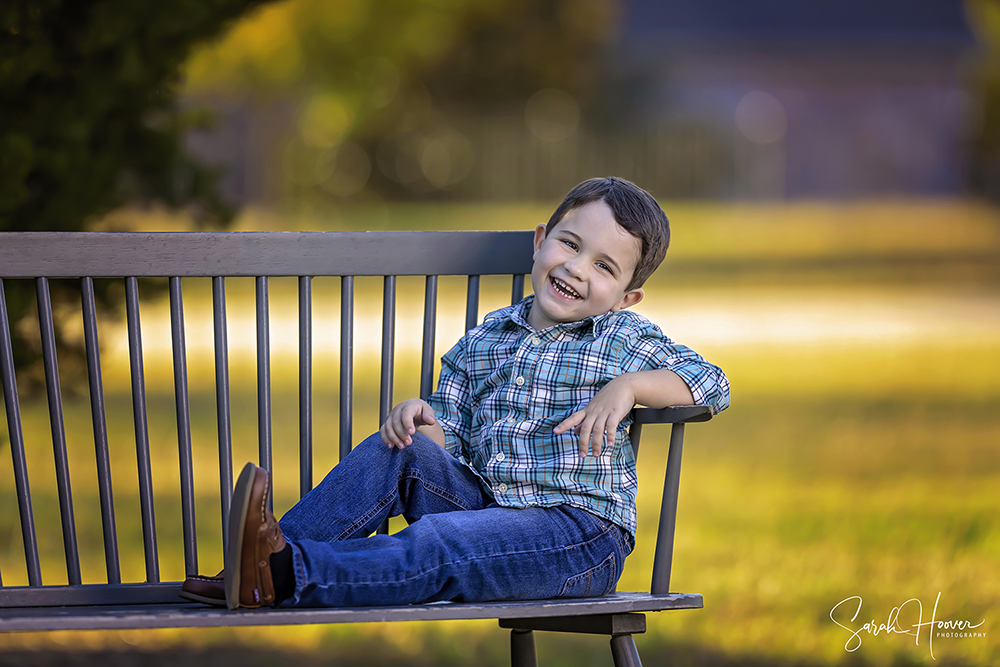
pixel 504 387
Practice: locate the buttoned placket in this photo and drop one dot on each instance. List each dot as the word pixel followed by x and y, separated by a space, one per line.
pixel 523 357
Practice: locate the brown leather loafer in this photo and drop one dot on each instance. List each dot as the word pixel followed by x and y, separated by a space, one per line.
pixel 254 535
pixel 209 590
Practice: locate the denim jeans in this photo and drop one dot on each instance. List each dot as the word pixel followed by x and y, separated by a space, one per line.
pixel 459 545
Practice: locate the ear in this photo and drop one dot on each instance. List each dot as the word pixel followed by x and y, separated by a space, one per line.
pixel 539 238
pixel 631 298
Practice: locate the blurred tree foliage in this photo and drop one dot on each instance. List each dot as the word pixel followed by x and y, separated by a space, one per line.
pixel 386 80
pixel 984 17
pixel 89 121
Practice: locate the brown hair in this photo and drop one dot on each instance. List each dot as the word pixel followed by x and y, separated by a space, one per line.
pixel 635 211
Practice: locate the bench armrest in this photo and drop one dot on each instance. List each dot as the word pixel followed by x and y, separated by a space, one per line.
pixel 675 414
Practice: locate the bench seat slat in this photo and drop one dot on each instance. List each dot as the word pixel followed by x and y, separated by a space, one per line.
pixel 170 615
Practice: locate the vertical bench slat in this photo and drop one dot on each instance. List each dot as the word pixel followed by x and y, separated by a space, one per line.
pixel 141 429
pixel 99 417
pixel 183 409
pixel 305 385
pixel 264 379
pixel 517 288
pixel 472 303
pixel 53 389
pixel 388 357
pixel 346 363
pixel 17 447
pixel 388 347
pixel 668 514
pixel 222 403
pixel 427 349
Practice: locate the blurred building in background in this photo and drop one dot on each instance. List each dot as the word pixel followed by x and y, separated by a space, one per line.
pixel 769 99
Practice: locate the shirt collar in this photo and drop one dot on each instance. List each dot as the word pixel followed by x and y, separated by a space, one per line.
pixel 519 315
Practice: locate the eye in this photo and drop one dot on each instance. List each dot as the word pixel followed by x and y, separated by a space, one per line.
pixel 604 267
pixel 569 243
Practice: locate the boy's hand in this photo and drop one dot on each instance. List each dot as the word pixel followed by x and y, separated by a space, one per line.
pixel 403 420
pixel 597 423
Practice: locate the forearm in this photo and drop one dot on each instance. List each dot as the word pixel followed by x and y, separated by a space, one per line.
pixel 433 431
pixel 657 388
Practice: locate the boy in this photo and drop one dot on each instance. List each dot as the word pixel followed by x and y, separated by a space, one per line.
pixel 515 476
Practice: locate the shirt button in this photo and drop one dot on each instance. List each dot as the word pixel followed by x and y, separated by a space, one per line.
pixel 502 488
pixel 519 380
pixel 535 340
pixel 500 456
pixel 510 420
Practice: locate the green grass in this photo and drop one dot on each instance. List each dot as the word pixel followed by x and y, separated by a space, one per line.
pixel 857 467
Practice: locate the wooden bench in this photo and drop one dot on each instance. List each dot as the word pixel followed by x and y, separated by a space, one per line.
pixel 216 257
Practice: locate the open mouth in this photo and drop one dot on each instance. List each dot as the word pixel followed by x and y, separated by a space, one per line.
pixel 564 290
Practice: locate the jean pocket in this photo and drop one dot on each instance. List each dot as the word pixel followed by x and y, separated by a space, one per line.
pixel 598 580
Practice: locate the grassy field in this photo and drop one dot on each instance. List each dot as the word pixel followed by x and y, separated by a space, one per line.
pixel 861 456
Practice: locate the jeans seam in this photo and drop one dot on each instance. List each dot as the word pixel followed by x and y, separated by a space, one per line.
pixel 608 563
pixel 364 518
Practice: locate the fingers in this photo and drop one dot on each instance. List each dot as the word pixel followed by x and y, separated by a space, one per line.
pixel 402 422
pixel 595 433
pixel 570 422
pixel 427 415
pixel 595 429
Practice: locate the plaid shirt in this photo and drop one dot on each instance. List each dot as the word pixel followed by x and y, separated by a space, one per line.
pixel 504 387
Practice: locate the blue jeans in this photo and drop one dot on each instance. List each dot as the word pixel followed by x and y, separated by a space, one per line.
pixel 459 545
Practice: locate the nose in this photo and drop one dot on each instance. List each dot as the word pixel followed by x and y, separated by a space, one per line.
pixel 574 267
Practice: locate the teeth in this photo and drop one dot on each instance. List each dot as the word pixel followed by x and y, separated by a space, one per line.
pixel 565 289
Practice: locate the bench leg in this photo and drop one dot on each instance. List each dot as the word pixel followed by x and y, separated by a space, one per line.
pixel 522 648
pixel 624 652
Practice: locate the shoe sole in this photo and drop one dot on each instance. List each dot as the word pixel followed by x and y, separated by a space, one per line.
pixel 237 523
pixel 215 602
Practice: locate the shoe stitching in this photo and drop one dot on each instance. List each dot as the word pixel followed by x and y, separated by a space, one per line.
pixel 263 500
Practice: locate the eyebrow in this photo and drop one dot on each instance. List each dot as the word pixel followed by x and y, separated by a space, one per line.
pixel 603 256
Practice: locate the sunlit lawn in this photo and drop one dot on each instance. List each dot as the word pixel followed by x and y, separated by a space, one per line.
pixel 865 465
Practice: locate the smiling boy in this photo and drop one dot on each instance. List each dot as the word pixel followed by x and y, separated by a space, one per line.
pixel 515 476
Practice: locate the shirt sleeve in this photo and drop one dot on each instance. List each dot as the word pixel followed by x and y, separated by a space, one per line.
pixel 645 348
pixel 452 402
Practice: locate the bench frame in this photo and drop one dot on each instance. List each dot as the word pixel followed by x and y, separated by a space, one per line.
pixel 154 604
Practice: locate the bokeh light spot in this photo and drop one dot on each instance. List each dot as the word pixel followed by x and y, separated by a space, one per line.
pixel 761 118
pixel 350 169
pixel 552 114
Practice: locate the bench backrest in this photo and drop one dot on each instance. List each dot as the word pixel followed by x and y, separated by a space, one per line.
pixel 216 257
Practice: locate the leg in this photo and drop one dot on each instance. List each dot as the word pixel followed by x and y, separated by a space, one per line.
pixel 624 652
pixel 495 553
pixel 375 482
pixel 522 649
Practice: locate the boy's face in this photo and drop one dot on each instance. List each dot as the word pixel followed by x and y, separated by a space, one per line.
pixel 582 267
